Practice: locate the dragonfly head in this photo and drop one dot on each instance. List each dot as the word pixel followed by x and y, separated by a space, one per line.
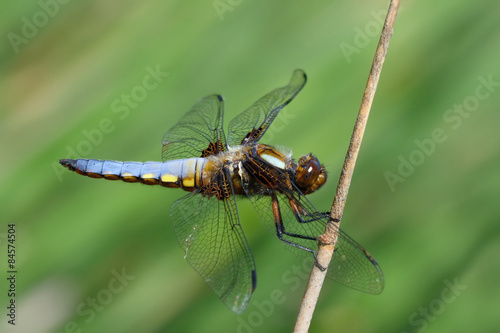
pixel 310 175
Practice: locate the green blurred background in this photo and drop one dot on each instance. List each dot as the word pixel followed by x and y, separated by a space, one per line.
pixel 432 224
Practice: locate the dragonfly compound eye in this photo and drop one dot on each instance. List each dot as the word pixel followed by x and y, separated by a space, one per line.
pixel 310 174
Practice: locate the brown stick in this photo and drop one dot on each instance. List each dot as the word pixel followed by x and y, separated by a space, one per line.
pixel 327 241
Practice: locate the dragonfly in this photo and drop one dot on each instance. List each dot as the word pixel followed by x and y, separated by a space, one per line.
pixel 197 158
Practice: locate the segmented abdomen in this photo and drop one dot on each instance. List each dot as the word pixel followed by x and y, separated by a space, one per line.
pixel 186 174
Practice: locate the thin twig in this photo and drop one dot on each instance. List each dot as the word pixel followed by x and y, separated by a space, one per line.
pixel 327 241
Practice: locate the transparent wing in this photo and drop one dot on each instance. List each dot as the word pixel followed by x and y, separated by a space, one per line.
pixel 251 124
pixel 351 264
pixel 209 232
pixel 199 133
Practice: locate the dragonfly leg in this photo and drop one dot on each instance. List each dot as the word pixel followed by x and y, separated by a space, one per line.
pixel 280 231
pixel 300 212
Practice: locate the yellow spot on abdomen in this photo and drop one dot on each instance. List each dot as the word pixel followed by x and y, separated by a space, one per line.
pixel 188 182
pixel 168 178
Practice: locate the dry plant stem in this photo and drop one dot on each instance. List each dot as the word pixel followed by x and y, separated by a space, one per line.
pixel 327 241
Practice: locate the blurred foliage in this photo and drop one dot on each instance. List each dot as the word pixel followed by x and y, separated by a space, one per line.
pixel 66 67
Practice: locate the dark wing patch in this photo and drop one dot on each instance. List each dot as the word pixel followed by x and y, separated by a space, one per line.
pixel 213 148
pixel 251 124
pixel 199 133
